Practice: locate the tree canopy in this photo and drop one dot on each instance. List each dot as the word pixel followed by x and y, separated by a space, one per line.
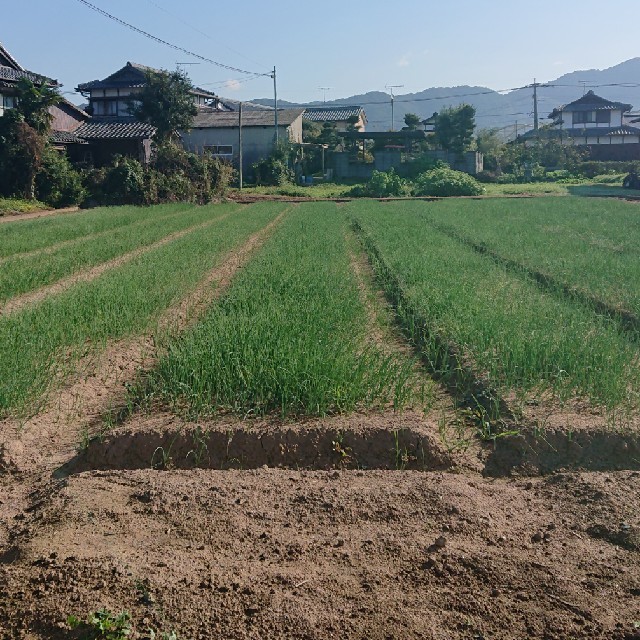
pixel 454 128
pixel 165 102
pixel 411 121
pixel 24 133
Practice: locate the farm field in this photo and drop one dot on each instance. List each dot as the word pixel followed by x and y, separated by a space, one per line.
pixel 588 247
pixel 322 420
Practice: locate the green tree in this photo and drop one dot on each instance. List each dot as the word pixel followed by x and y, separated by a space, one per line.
pixel 454 128
pixel 33 103
pixel 411 121
pixel 165 102
pixel 329 135
pixel 24 134
pixel 491 146
pixel 352 123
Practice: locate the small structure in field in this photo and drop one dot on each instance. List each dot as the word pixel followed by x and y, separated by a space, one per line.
pixel 217 133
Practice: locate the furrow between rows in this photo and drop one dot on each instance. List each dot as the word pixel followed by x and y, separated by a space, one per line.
pixel 49 439
pixel 442 357
pixel 627 321
pixel 33 297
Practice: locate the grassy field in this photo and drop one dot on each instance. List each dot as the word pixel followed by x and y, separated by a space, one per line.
pixel 22 273
pixel 502 326
pixel 24 236
pixel 584 189
pixel 289 336
pixel 41 342
pixel 518 294
pixel 588 246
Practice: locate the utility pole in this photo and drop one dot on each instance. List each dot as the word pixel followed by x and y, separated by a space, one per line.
pixel 275 105
pixel 391 87
pixel 324 93
pixel 535 104
pixel 240 145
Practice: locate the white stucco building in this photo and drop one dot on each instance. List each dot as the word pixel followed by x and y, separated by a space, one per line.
pixel 596 123
pixel 217 133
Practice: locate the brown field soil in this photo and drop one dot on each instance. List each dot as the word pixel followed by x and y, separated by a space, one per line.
pixel 370 526
pixel 13 217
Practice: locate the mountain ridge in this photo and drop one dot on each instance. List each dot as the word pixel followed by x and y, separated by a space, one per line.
pixel 506 111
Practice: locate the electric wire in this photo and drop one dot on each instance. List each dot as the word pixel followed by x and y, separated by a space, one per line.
pixel 171 45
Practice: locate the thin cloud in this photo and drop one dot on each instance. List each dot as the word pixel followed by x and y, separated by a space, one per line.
pixel 232 85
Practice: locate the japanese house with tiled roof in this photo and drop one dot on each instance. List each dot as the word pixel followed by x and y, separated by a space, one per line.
pixel 65 116
pixel 594 123
pixel 338 115
pixel 11 72
pixel 112 129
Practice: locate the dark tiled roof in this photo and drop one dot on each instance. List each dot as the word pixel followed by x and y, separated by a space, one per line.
pixel 115 130
pixel 225 120
pixel 66 137
pixel 332 114
pixel 589 132
pixel 591 102
pixel 12 71
pixel 132 76
pixel 6 59
pixel 12 75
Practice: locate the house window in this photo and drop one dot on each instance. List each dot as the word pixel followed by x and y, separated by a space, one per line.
pixel 584 117
pixel 219 149
pixel 6 102
pixel 603 117
pixel 105 108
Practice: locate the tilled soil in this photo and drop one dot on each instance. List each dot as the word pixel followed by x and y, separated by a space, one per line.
pixel 278 553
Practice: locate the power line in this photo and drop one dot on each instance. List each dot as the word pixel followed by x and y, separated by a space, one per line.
pixel 206 35
pixel 490 92
pixel 169 44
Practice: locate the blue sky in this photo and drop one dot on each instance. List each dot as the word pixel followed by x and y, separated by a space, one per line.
pixel 351 47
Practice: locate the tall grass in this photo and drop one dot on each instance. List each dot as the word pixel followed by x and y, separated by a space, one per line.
pixel 42 343
pixel 516 336
pixel 288 336
pixel 28 235
pixel 20 274
pixel 592 245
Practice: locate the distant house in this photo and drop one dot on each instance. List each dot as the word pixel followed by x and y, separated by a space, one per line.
pixel 337 115
pixel 66 117
pixel 217 133
pixel 112 129
pixel 11 72
pixel 595 123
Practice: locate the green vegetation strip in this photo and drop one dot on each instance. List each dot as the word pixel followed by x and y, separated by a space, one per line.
pixel 21 274
pixel 21 236
pixel 288 336
pixel 513 335
pixel 42 342
pixel 14 205
pixel 588 248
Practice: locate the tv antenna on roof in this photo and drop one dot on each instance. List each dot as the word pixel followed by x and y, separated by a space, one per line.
pixel 324 93
pixel 392 87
